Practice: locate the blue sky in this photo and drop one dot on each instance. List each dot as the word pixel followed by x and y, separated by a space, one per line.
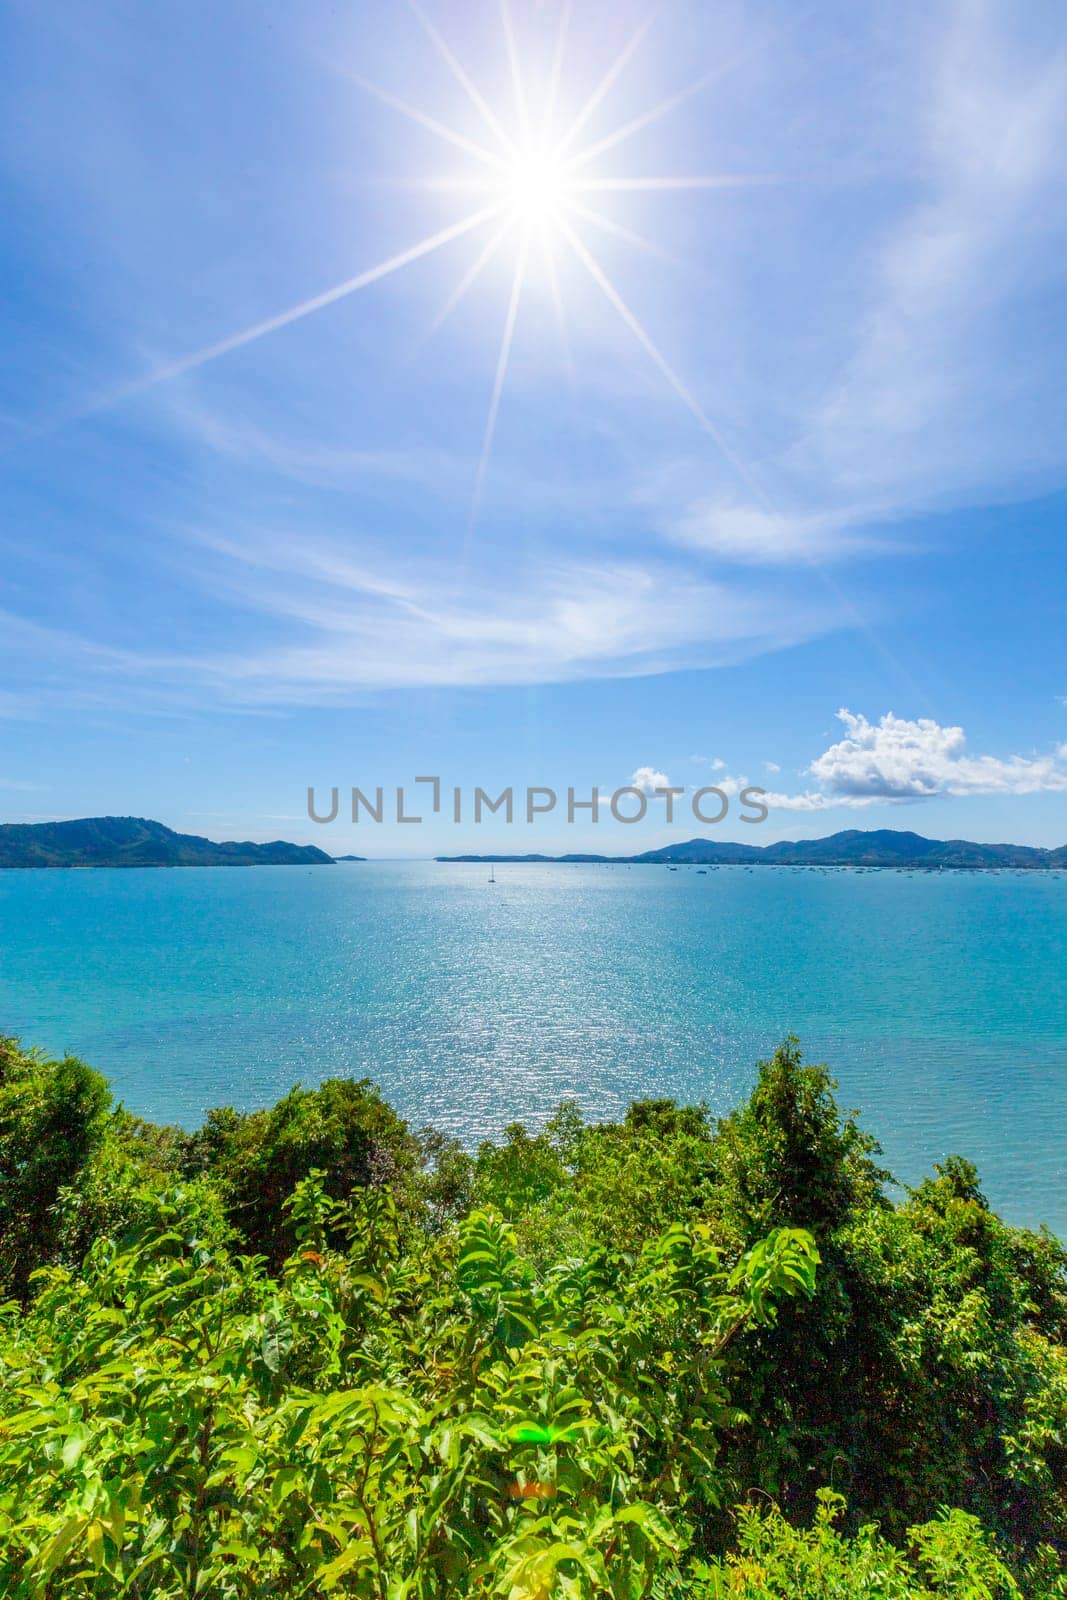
pixel 756 478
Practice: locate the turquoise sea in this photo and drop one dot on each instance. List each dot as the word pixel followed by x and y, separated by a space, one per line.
pixel 938 1000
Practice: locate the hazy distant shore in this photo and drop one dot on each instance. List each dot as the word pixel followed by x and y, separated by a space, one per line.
pixel 855 847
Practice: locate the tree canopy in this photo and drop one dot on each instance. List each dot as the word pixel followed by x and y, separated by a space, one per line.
pixel 310 1351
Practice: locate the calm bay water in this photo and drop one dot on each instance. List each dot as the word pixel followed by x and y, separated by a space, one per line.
pixel 938 1000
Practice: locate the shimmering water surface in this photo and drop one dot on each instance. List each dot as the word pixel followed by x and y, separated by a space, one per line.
pixel 939 1000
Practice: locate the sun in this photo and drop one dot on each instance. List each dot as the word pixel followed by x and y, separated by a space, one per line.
pixel 535 187
pixel 535 178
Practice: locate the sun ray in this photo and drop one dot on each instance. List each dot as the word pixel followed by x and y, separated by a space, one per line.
pixel 556 295
pixel 619 231
pixel 552 91
pixel 646 119
pixel 650 348
pixel 722 180
pixel 453 185
pixel 304 308
pixel 498 383
pixel 533 186
pixel 441 129
pixel 473 272
pixel 463 78
pixel 608 80
pixel 519 87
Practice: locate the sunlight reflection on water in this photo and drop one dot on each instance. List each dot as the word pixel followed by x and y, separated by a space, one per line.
pixel 938 1000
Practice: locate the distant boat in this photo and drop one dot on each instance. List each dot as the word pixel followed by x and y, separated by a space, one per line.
pixel 492 875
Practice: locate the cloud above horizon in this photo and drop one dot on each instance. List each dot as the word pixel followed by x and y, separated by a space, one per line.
pixel 895 759
pixel 649 779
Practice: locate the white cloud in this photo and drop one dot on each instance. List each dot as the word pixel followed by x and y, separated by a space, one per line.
pixel 895 759
pixel 772 766
pixel 649 779
pixel 728 785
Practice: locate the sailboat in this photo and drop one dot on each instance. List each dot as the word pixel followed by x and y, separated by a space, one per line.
pixel 492 873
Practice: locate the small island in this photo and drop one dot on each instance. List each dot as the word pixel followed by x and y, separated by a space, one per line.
pixel 139 842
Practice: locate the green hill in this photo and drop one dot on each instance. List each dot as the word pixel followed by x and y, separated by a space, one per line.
pixel 854 847
pixel 138 842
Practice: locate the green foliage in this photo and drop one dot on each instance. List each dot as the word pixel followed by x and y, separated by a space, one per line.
pixel 928 1369
pixel 165 1429
pixel 306 1352
pixel 616 1184
pixel 52 1116
pixel 949 1558
pixel 114 1190
pixel 788 1153
pixel 343 1129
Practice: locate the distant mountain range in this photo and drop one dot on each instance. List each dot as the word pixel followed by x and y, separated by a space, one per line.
pixel 137 842
pixel 881 847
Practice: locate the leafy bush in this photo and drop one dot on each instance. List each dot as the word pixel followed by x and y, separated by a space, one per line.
pixel 52 1116
pixel 950 1558
pixel 307 1352
pixel 929 1369
pixel 175 1422
pixel 343 1129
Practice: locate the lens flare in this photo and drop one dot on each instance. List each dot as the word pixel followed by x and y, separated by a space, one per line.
pixel 533 185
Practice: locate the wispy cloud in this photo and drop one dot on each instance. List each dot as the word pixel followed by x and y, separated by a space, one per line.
pixel 932 370
pixel 333 622
pixel 303 455
pixel 351 626
pixel 15 707
pixel 753 535
pixel 946 389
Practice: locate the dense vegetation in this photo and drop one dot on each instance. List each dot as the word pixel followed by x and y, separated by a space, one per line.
pixel 138 842
pixel 307 1351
